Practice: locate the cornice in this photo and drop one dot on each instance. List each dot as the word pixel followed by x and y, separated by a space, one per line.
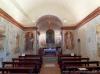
pixel 68 28
pixel 29 28
pixel 91 16
pixel 10 19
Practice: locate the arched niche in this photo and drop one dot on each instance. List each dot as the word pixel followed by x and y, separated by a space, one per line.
pixel 50 38
pixel 48 23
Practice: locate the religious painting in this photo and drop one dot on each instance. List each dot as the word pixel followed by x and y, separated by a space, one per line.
pixel 17 43
pixel 50 39
pixel 2 31
pixel 98 39
pixel 1 41
pixel 16 48
pixel 50 36
pixel 68 40
pixel 29 41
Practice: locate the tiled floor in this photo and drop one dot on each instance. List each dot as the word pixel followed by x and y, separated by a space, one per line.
pixel 50 68
pixel 50 59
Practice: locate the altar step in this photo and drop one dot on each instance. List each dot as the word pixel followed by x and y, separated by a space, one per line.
pixel 50 59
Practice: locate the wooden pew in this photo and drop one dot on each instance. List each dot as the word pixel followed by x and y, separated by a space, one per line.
pixel 17 70
pixel 35 60
pixel 60 57
pixel 37 57
pixel 76 70
pixel 31 56
pixel 75 59
pixel 86 63
pixel 68 56
pixel 81 72
pixel 35 66
pixel 87 68
pixel 74 66
pixel 15 73
pixel 72 59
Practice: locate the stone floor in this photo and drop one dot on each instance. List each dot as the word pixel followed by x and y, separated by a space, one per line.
pixel 50 59
pixel 50 68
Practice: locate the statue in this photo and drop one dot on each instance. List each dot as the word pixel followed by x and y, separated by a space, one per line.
pixel 50 40
pixel 68 40
pixel 29 41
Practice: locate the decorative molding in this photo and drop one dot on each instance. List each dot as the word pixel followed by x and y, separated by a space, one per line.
pixel 29 28
pixel 91 16
pixel 68 28
pixel 10 19
pixel 14 22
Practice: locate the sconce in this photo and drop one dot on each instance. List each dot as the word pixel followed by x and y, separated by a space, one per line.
pixel 78 40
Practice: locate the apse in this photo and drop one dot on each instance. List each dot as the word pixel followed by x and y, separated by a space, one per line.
pixel 49 28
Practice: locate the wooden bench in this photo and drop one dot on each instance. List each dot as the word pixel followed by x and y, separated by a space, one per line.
pixel 75 59
pixel 76 70
pixel 37 57
pixel 76 63
pixel 35 60
pixel 68 56
pixel 81 72
pixel 16 73
pixel 88 68
pixel 17 70
pixel 72 59
pixel 76 67
pixel 60 57
pixel 73 65
pixel 31 56
pixel 35 66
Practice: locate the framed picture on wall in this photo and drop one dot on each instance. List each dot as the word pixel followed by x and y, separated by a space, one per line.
pixel 1 41
pixel 68 40
pixel 98 39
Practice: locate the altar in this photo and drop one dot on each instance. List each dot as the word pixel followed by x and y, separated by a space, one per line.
pixel 50 51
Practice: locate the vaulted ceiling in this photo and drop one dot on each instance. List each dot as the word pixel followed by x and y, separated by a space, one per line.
pixel 70 12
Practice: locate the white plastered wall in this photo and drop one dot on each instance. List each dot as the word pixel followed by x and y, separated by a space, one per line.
pixel 87 35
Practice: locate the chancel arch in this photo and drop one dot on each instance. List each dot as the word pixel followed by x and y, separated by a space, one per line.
pixel 49 28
